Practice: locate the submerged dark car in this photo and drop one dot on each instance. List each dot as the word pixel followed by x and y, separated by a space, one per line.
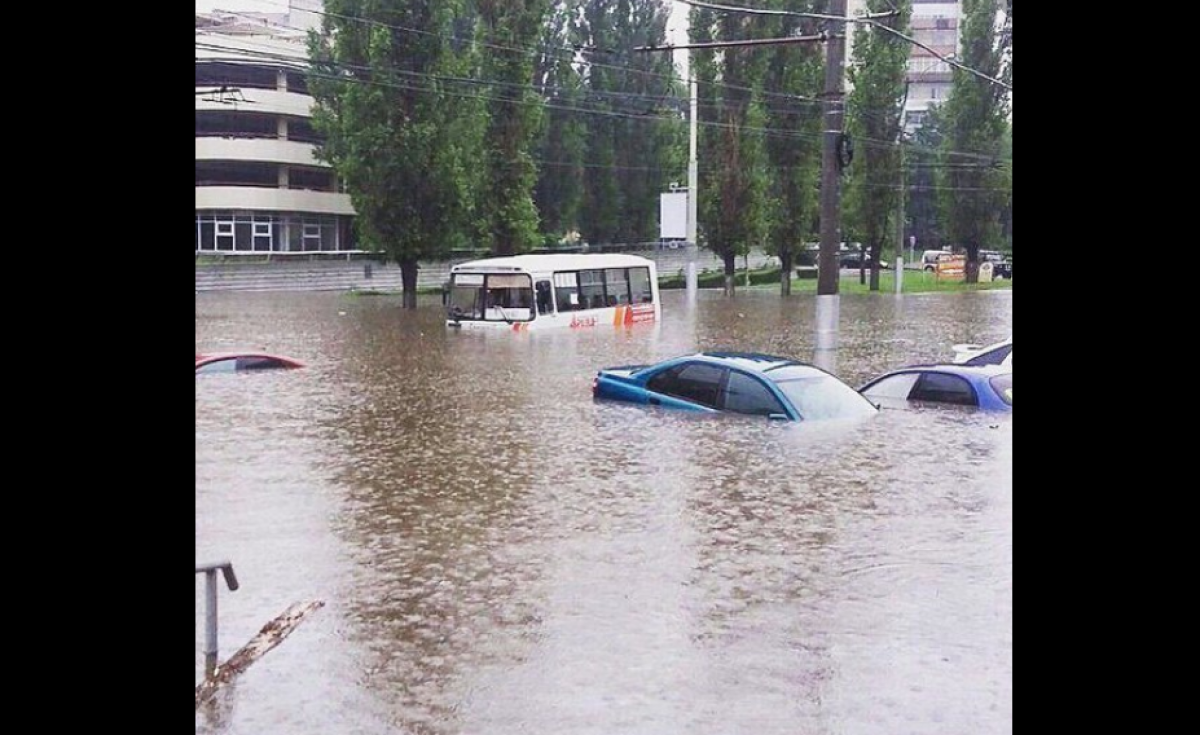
pixel 735 382
pixel 231 362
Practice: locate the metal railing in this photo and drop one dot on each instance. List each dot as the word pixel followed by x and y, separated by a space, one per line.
pixel 210 608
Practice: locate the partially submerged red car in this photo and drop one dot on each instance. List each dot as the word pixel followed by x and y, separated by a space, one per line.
pixel 229 362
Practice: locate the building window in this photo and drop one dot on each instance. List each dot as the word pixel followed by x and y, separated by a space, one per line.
pixel 312 236
pixel 257 232
pixel 225 240
pixel 262 236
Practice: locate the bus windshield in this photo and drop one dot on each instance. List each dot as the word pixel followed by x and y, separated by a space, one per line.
pixel 491 297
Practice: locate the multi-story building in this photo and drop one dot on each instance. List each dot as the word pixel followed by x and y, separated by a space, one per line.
pixel 259 186
pixel 935 23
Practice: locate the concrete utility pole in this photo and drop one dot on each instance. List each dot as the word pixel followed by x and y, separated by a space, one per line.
pixel 831 159
pixel 693 243
pixel 900 214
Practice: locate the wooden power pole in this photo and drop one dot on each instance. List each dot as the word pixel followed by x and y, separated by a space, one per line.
pixel 831 152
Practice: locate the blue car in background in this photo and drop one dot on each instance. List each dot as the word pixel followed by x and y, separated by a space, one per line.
pixel 984 386
pixel 736 382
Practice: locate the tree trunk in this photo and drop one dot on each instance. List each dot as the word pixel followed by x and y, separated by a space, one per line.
pixel 972 269
pixel 876 255
pixel 408 280
pixel 730 272
pixel 785 272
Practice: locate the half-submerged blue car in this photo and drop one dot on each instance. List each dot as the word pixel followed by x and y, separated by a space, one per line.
pixel 737 382
pixel 988 387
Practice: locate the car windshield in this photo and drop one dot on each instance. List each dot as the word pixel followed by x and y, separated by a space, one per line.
pixel 995 356
pixel 1002 384
pixel 818 395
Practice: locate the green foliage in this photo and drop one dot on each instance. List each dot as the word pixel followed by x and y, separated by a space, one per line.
pixel 793 79
pixel 401 143
pixel 632 144
pixel 976 187
pixel 561 147
pixel 716 279
pixel 921 180
pixel 511 28
pixel 875 107
pixel 735 181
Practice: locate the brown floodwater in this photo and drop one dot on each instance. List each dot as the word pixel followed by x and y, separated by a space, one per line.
pixel 498 553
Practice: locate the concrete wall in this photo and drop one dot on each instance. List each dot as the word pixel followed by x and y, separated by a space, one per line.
pixel 345 275
pixel 272 200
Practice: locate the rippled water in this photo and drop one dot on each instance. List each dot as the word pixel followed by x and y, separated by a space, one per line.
pixel 500 554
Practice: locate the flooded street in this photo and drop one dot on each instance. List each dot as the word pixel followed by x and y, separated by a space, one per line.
pixel 500 554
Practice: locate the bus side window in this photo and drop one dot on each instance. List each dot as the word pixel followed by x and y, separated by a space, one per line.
pixel 591 288
pixel 639 284
pixel 566 287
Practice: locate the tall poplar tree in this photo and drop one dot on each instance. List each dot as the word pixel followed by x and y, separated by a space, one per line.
pixel 793 81
pixel 395 135
pixel 733 179
pixel 511 32
pixel 875 109
pixel 975 186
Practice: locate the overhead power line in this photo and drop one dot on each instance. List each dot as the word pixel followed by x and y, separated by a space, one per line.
pixel 655 112
pixel 792 13
pixel 870 19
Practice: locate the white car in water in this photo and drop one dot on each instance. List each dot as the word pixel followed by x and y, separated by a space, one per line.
pixel 997 354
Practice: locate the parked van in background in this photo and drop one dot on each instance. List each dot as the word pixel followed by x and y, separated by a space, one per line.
pixel 929 259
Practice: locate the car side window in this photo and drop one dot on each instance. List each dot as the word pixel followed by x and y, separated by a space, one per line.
pixel 895 386
pixel 257 363
pixel 665 381
pixel 692 381
pixel 219 366
pixel 746 394
pixel 1002 384
pixel 943 388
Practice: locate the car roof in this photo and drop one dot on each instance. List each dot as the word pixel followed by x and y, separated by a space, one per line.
pixel 551 261
pixel 753 361
pixel 966 371
pixel 203 358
